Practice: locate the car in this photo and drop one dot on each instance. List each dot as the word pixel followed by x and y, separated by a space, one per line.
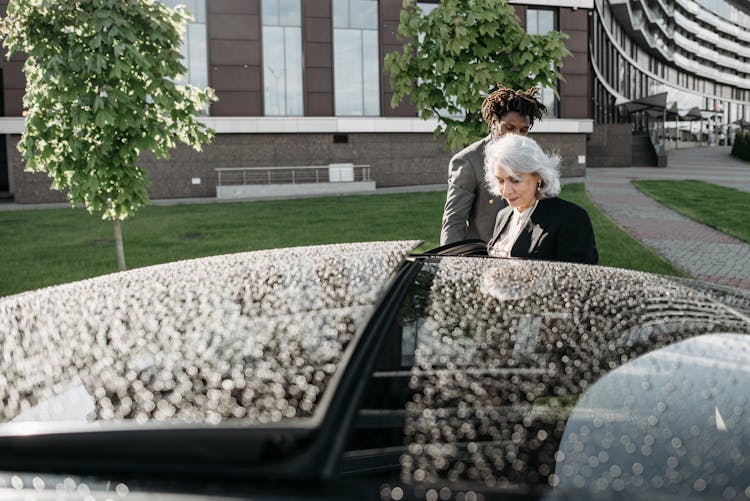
pixel 370 371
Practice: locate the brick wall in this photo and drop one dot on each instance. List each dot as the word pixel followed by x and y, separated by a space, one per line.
pixel 569 147
pixel 610 145
pixel 396 159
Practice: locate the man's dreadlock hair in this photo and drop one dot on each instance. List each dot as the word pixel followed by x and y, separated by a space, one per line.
pixel 504 100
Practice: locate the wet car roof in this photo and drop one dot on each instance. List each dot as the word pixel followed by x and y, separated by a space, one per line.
pixel 491 375
pixel 252 337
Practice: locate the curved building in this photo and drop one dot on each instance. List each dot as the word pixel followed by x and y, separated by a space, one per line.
pixel 674 70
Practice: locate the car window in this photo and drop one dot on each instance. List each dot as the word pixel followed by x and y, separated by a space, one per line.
pixel 491 377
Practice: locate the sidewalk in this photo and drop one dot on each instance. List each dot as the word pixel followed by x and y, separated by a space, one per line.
pixel 12 206
pixel 703 252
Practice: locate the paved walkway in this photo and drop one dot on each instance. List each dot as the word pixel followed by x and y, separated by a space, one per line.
pixel 12 206
pixel 705 253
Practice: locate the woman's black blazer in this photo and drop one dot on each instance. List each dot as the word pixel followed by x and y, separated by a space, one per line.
pixel 558 231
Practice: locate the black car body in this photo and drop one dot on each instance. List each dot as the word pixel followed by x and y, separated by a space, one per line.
pixel 361 371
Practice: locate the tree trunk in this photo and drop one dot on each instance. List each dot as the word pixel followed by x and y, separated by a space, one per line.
pixel 118 246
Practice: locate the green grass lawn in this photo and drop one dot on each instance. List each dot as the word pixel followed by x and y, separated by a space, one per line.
pixel 52 246
pixel 725 209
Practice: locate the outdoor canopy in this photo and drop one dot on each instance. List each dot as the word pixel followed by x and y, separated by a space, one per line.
pixel 654 102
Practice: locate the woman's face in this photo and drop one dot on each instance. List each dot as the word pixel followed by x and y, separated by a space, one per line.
pixel 519 190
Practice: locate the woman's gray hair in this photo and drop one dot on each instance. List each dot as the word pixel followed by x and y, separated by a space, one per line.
pixel 521 155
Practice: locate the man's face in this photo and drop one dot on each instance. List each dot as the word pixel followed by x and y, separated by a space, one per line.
pixel 511 123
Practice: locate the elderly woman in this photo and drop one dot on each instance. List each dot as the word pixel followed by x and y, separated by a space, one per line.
pixel 536 223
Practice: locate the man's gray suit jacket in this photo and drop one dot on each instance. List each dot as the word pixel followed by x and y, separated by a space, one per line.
pixel 470 209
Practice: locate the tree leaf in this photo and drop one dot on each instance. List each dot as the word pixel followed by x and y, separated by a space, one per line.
pixel 88 69
pixel 456 55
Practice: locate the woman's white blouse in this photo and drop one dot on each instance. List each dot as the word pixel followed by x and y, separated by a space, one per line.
pixel 509 234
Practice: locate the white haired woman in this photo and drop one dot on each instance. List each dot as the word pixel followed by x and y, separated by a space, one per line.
pixel 536 224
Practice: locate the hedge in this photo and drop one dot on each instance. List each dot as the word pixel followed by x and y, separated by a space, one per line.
pixel 741 148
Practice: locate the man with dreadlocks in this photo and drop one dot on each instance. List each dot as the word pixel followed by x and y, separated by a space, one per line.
pixel 470 209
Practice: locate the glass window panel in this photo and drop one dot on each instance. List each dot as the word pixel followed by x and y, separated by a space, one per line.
pixel 290 13
pixel 270 11
pixel 198 63
pixel 190 5
pixel 363 14
pixel 282 59
pixel 185 78
pixel 294 100
pixel 549 101
pixel 427 7
pixel 356 57
pixel 532 26
pixel 196 7
pixel 541 22
pixel 273 70
pixel 371 72
pixel 200 11
pixel 546 21
pixel 348 71
pixel 340 13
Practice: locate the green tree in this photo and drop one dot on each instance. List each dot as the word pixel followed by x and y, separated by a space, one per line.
pixel 100 89
pixel 453 57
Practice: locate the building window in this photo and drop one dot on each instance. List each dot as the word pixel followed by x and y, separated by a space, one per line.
pixel 541 22
pixel 282 57
pixel 428 6
pixel 356 57
pixel 194 47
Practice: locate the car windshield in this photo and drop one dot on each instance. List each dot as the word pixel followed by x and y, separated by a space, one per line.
pixel 565 376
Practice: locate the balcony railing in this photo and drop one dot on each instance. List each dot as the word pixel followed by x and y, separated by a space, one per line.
pixel 307 174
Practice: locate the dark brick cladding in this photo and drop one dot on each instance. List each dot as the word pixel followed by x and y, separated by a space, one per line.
pixel 395 160
pixel 14 81
pixel 235 59
pixel 575 89
pixel 569 147
pixel 390 12
pixel 610 146
pixel 29 187
pixel 317 47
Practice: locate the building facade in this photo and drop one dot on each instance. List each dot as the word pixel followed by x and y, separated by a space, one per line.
pixel 300 82
pixel 676 70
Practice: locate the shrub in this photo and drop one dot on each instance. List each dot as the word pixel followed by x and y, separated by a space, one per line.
pixel 741 148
